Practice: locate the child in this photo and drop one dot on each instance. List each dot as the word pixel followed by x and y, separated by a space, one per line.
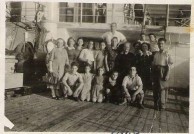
pixel 100 57
pixel 97 91
pixel 73 82
pixel 87 81
pixel 112 88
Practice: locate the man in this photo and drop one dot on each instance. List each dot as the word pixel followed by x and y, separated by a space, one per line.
pixel 161 71
pixel 73 82
pixel 124 60
pixel 114 33
pixel 133 86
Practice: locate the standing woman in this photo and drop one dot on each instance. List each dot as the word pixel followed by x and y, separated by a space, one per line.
pixel 100 57
pixel 49 47
pixel 71 50
pixel 145 62
pixel 78 49
pixel 87 57
pixel 57 63
pixel 111 55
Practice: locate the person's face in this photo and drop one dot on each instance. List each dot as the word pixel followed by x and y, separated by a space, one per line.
pixel 100 71
pixel 136 47
pixel 87 69
pixel 102 46
pixel 74 69
pixel 143 37
pixel 144 47
pixel 90 45
pixel 114 42
pixel 161 45
pixel 60 43
pixel 113 27
pixel 80 42
pixel 133 71
pixel 152 38
pixel 71 42
pixel 115 76
pixel 127 47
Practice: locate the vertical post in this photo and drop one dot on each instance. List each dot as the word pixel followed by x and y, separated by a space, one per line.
pixel 113 10
pixel 167 20
pixel 81 12
pixel 144 14
pixel 93 11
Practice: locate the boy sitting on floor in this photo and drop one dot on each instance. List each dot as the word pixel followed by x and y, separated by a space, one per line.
pixel 112 93
pixel 73 82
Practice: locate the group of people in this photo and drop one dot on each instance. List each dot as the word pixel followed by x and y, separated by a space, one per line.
pixel 113 73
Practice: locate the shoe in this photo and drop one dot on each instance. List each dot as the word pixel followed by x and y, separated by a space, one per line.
pixel 141 106
pixel 77 99
pixel 53 97
pixel 57 98
pixel 122 103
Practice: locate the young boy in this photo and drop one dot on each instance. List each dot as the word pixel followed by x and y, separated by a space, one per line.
pixel 112 88
pixel 73 82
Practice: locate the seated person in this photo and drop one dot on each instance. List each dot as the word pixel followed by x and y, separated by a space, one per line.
pixel 98 86
pixel 73 82
pixel 112 93
pixel 133 86
pixel 87 81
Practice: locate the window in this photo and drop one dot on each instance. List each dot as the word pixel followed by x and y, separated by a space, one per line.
pixel 82 12
pixel 179 15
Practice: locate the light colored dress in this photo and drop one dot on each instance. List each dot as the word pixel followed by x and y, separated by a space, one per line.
pixel 100 59
pixel 87 80
pixel 97 91
pixel 59 60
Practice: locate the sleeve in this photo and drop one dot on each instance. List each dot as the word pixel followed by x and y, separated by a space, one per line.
pixel 65 77
pixel 139 81
pixel 80 78
pixel 104 36
pixel 124 84
pixel 122 37
pixel 51 57
pixel 170 61
pixel 82 53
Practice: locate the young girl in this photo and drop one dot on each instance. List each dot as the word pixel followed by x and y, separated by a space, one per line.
pixel 71 50
pixel 98 89
pixel 100 57
pixel 87 81
pixel 87 56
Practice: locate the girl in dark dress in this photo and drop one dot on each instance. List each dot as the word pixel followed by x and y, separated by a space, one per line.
pixel 71 50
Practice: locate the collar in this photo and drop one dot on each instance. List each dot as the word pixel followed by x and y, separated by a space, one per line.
pixel 70 48
pixel 111 80
pixel 76 74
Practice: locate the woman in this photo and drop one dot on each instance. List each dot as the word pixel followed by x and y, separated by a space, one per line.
pixel 111 55
pixel 145 61
pixel 153 43
pixel 100 56
pixel 57 63
pixel 71 50
pixel 87 57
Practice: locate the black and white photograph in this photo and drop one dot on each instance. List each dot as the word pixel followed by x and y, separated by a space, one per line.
pixel 97 67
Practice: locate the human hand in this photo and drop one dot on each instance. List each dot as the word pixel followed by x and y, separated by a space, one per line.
pixel 133 97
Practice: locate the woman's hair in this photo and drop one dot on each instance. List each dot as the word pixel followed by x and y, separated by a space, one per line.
pixel 152 34
pixel 162 39
pixel 74 64
pixel 114 38
pixel 146 44
pixel 64 43
pixel 134 44
pixel 80 38
pixel 70 39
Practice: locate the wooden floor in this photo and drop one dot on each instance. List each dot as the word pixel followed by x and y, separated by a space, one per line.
pixel 35 112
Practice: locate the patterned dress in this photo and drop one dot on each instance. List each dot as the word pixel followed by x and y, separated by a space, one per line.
pixel 97 91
